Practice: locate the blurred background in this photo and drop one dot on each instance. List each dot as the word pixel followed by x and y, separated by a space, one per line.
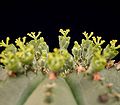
pixel 48 16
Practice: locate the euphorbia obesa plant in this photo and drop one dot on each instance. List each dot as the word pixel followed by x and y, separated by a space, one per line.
pixel 31 75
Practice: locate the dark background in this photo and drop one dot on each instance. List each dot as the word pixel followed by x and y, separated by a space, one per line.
pixel 48 16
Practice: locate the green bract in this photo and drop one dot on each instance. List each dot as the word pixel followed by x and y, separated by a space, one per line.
pixel 76 51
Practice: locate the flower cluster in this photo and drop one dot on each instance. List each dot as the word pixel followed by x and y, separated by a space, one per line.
pixel 89 54
pixel 16 58
pixel 41 50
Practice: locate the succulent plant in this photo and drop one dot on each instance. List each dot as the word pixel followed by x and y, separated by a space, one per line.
pixel 31 75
